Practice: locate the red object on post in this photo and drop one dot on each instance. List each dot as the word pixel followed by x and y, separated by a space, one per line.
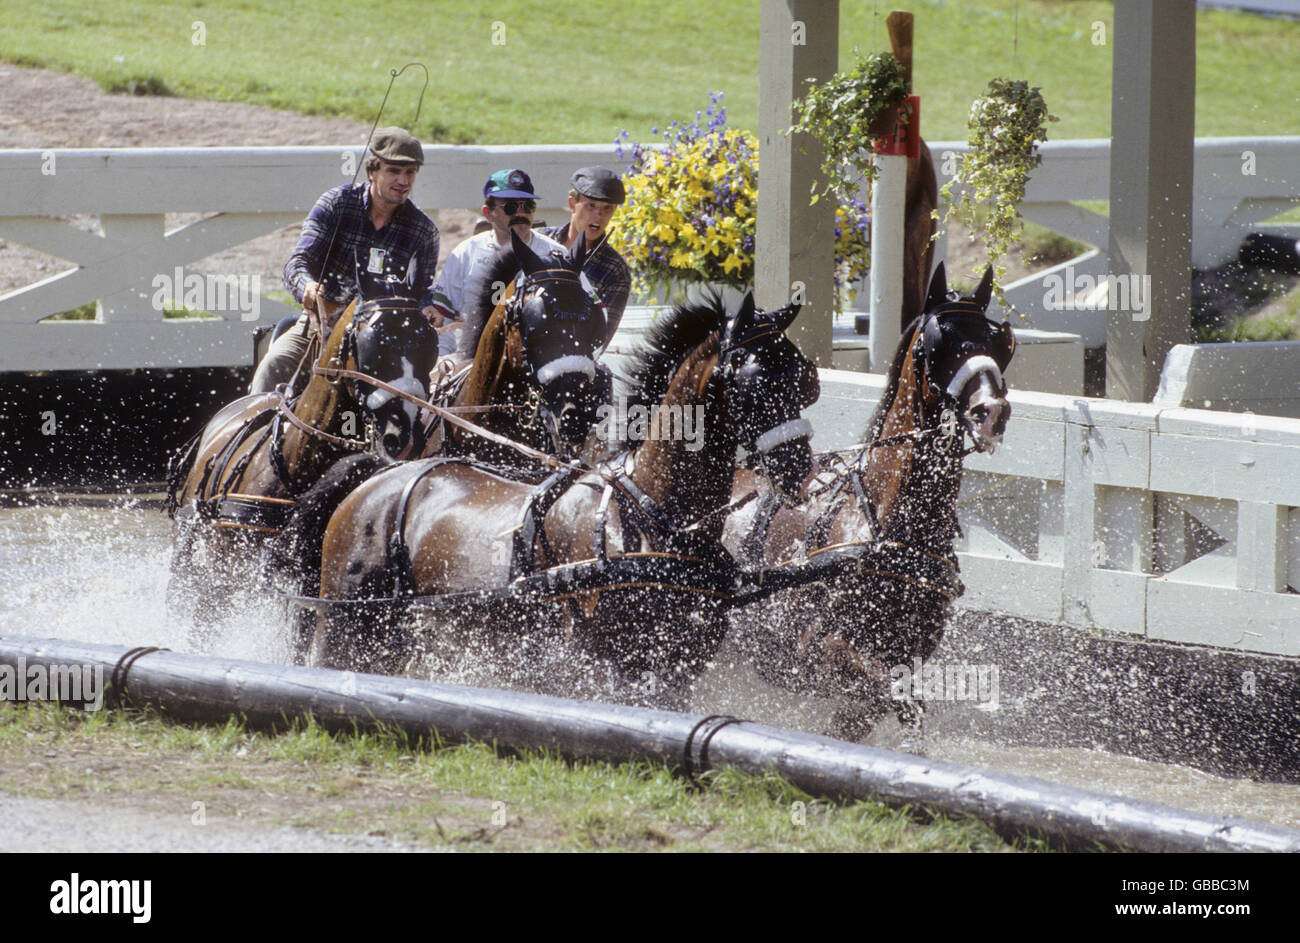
pixel 906 139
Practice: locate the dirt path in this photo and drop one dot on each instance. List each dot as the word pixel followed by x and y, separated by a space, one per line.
pixel 44 109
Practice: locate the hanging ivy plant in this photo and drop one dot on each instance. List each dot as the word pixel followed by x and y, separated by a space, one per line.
pixel 1007 123
pixel 846 112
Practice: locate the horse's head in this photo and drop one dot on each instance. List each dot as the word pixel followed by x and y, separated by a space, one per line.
pixel 560 327
pixel 768 382
pixel 962 355
pixel 390 340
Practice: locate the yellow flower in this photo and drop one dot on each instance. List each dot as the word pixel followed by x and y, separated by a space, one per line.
pixel 665 232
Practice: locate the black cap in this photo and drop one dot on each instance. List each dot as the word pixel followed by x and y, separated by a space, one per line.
pixel 598 183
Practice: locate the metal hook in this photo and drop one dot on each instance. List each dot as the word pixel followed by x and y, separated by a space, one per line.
pixel 419 105
pixel 420 102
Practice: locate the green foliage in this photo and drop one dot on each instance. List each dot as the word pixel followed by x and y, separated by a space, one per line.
pixel 85 312
pixel 1044 247
pixel 1267 328
pixel 1007 124
pixel 839 112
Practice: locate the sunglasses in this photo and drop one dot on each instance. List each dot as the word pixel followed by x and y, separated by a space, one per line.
pixel 511 206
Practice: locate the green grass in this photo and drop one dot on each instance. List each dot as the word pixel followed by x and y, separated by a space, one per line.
pixel 89 311
pixel 556 79
pixel 447 794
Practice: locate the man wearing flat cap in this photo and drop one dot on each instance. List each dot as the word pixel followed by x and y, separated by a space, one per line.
pixel 371 224
pixel 509 202
pixel 596 193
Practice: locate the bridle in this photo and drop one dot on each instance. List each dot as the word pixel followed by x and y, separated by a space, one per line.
pixel 533 287
pixel 953 427
pixel 754 442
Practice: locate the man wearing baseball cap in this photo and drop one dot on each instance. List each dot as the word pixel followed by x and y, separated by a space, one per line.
pixel 373 224
pixel 596 193
pixel 509 202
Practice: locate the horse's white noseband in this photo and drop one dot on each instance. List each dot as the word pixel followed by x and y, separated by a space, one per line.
pixel 981 363
pixel 791 429
pixel 571 363
pixel 407 384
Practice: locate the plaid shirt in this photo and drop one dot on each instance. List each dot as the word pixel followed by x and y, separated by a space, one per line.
pixel 607 272
pixel 409 237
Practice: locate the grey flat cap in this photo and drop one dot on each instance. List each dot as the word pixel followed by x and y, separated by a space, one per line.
pixel 599 183
pixel 396 146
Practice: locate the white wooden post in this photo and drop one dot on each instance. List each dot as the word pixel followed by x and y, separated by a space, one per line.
pixel 1261 546
pixel 888 195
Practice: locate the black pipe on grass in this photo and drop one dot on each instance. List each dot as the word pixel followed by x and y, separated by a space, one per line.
pixel 204 689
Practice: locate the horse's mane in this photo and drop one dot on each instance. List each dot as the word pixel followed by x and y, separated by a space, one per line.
pixel 501 268
pixel 665 345
pixel 891 382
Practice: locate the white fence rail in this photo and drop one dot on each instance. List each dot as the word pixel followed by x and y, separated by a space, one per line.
pixel 1239 183
pixel 1160 522
pixel 253 191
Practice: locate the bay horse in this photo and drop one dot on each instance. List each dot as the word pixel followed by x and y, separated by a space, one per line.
pixel 240 480
pixel 533 378
pixel 621 562
pixel 877 528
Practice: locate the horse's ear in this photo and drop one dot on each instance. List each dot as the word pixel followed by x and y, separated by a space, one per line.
pixel 578 252
pixel 1006 345
pixel 985 290
pixel 748 312
pixel 785 315
pixel 529 261
pixel 938 293
pixel 741 321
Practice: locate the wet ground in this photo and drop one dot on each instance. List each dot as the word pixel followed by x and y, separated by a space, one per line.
pixel 100 574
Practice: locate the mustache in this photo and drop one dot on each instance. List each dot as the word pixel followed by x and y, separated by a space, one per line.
pixel 520 219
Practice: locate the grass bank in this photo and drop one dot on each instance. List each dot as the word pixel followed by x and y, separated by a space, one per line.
pixel 463 796
pixel 521 71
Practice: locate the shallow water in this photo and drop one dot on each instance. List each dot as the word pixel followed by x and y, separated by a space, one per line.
pixel 99 574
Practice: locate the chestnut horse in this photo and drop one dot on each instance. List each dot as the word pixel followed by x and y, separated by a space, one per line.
pixel 872 535
pixel 623 562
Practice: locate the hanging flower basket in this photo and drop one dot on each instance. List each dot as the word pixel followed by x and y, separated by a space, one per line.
pixel 883 125
pixel 1007 123
pixel 850 111
pixel 692 206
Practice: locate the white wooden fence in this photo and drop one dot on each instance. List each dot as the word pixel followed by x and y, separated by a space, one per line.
pixel 254 191
pixel 1160 522
pixel 1239 183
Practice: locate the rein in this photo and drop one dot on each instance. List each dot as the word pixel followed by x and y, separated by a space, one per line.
pixel 335 373
pixel 351 445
